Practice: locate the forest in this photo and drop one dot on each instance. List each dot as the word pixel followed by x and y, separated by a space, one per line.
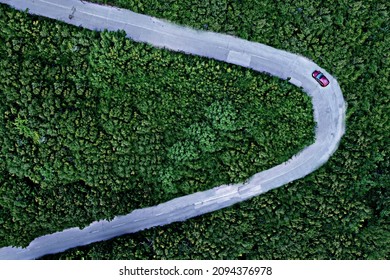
pixel 94 125
pixel 341 211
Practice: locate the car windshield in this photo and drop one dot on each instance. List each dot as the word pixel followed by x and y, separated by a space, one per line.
pixel 319 76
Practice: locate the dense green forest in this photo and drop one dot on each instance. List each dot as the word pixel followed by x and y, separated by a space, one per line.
pixel 94 125
pixel 341 211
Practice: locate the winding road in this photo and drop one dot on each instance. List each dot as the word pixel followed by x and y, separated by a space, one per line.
pixel 328 103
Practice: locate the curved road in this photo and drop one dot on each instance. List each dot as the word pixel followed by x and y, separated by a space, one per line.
pixel 328 103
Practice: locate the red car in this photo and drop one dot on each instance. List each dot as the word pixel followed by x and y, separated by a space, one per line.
pixel 320 78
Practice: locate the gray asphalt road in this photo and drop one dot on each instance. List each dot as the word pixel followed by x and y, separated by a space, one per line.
pixel 328 103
